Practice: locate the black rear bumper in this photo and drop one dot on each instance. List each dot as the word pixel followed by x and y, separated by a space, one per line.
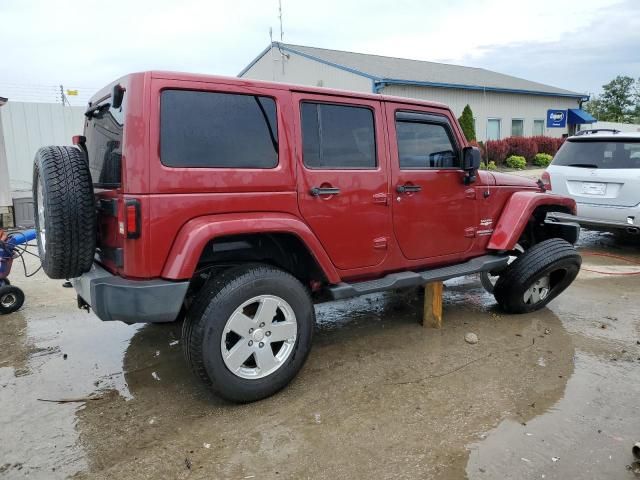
pixel 131 301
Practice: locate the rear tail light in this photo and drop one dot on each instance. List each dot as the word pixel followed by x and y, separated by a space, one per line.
pixel 132 219
pixel 546 180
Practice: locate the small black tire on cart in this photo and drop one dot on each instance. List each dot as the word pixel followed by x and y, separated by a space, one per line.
pixel 537 276
pixel 249 332
pixel 11 299
pixel 65 214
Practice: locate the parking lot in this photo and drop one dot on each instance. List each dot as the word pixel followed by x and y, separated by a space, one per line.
pixel 552 394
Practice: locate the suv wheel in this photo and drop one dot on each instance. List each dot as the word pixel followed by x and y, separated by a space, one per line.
pixel 488 280
pixel 249 332
pixel 537 276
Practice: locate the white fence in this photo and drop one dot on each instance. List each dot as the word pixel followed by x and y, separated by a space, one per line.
pixel 28 126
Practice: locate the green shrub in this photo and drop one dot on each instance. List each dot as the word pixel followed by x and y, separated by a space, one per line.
pixel 542 160
pixel 517 162
pixel 492 166
pixel 466 122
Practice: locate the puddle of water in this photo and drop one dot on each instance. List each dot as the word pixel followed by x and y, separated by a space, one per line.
pixel 52 351
pixel 587 434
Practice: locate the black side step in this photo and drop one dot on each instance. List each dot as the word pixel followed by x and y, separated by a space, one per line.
pixel 413 279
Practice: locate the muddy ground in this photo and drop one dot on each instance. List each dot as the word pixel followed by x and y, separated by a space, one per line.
pixel 553 394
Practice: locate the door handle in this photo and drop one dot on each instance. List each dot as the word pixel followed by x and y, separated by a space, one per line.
pixel 317 191
pixel 408 188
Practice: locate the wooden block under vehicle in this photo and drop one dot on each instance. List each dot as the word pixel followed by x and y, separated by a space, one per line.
pixel 432 315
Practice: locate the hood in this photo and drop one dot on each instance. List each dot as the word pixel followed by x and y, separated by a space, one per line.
pixel 508 180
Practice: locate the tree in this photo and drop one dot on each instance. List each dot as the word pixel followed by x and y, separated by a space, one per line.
pixel 619 102
pixel 467 124
pixel 596 108
pixel 617 96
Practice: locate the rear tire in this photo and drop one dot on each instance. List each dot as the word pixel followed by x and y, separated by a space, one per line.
pixel 65 215
pixel 211 340
pixel 11 299
pixel 537 276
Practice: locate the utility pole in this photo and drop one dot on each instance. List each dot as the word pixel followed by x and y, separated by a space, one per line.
pixel 63 98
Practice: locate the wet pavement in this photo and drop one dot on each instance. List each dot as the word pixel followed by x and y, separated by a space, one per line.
pixel 553 394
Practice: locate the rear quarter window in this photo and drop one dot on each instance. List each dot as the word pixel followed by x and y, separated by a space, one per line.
pixel 217 130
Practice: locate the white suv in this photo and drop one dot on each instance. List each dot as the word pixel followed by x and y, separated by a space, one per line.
pixel 600 170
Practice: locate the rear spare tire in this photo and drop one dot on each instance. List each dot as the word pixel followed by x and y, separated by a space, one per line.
pixel 537 276
pixel 65 213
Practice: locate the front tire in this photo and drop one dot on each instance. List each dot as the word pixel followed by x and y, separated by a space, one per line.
pixel 537 276
pixel 249 332
pixel 488 280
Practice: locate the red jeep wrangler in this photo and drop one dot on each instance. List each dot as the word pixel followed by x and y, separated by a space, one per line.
pixel 236 204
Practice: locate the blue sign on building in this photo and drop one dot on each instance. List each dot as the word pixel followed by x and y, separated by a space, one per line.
pixel 556 118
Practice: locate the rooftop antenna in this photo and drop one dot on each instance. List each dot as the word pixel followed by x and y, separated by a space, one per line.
pixel 280 17
pixel 273 70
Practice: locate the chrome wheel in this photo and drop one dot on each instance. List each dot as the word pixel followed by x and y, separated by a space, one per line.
pixel 538 291
pixel 259 337
pixel 42 239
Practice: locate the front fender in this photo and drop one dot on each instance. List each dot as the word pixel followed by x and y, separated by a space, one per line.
pixel 517 212
pixel 196 233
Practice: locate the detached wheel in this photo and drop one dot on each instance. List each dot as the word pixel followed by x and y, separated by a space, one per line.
pixel 65 213
pixel 488 280
pixel 537 276
pixel 11 299
pixel 249 332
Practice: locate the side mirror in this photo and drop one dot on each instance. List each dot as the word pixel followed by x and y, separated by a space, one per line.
pixel 117 95
pixel 471 159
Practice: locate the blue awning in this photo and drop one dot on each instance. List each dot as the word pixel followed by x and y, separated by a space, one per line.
pixel 577 116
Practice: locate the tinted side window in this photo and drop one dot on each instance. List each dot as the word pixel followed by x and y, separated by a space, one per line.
pixel 425 145
pixel 337 137
pixel 204 129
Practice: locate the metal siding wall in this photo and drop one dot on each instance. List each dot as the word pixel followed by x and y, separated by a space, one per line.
pixel 5 190
pixel 304 71
pixel 29 126
pixel 505 106
pixel 623 127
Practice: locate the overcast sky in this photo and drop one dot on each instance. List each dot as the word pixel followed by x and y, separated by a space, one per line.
pixel 575 45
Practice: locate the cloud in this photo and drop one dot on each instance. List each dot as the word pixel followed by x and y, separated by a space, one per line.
pixel 88 43
pixel 581 60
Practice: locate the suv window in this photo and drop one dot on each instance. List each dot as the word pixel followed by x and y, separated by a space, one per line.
pixel 207 129
pixel 425 145
pixel 104 129
pixel 337 137
pixel 599 154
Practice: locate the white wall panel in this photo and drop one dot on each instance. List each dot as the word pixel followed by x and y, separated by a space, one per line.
pixel 505 106
pixel 303 71
pixel 29 126
pixel 485 105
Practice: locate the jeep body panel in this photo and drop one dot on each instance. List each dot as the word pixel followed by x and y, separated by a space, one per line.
pixel 516 214
pixel 368 230
pixel 198 232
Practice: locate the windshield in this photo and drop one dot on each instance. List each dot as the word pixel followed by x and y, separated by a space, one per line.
pixel 104 129
pixel 599 154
